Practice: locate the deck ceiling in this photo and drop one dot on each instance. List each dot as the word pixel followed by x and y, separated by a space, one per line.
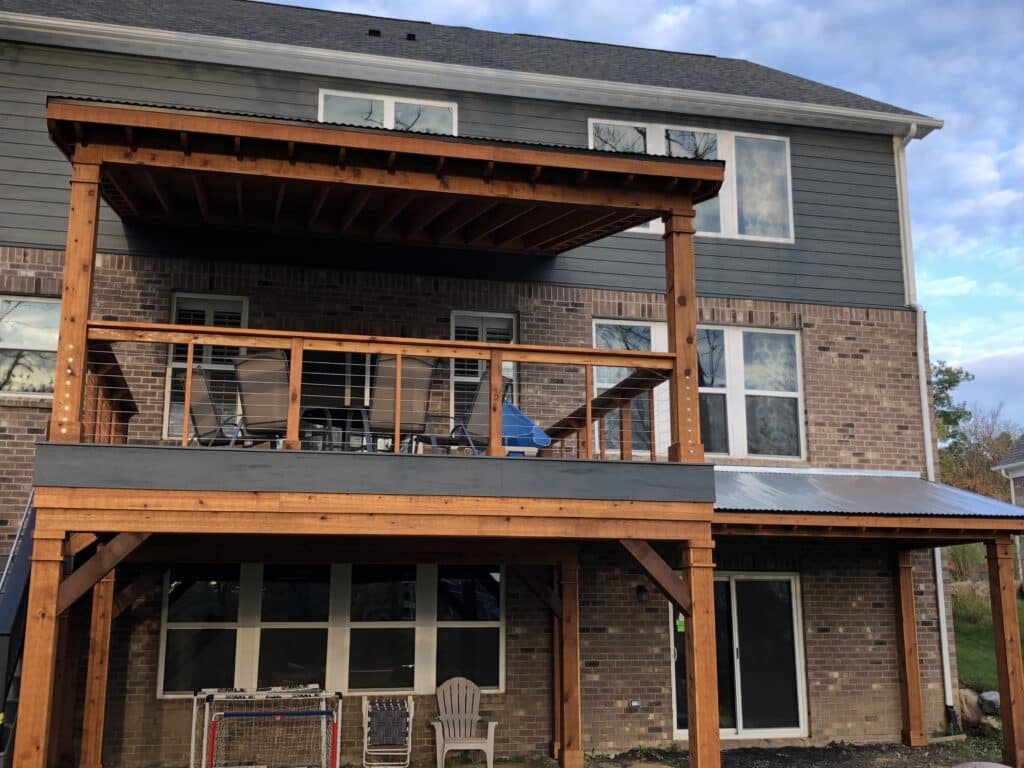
pixel 186 168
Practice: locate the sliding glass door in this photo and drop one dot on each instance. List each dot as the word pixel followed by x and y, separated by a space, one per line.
pixel 761 688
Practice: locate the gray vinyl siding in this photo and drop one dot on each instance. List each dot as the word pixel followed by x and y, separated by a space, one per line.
pixel 847 244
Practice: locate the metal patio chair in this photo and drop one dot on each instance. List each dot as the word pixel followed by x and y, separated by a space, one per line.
pixel 455 727
pixel 387 732
pixel 209 427
pixel 378 420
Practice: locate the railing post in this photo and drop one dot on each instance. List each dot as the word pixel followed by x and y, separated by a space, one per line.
pixel 586 438
pixel 496 387
pixel 292 441
pixel 626 430
pixel 79 258
pixel 186 420
pixel 397 437
pixel 681 314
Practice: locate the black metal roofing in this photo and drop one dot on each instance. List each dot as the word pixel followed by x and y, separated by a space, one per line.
pixel 331 30
pixel 850 494
pixel 1015 455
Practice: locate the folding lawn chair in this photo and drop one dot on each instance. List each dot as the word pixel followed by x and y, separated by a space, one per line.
pixel 387 732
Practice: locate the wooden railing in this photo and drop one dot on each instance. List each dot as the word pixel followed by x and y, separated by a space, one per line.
pixel 219 386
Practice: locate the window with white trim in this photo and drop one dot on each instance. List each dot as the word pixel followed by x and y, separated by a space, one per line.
pixel 28 344
pixel 215 361
pixel 756 198
pixel 488 327
pixel 379 111
pixel 750 388
pixel 350 627
pixel 757 617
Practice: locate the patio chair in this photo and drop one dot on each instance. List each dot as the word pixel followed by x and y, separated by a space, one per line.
pixel 418 375
pixel 455 727
pixel 209 427
pixel 387 732
pixel 472 427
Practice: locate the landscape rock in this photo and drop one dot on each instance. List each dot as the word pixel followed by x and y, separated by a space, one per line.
pixel 991 726
pixel 969 709
pixel 989 702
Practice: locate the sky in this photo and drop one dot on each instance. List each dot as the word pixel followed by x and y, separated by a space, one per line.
pixel 960 61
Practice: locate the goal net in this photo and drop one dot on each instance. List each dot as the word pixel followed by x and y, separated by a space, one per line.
pixel 267 727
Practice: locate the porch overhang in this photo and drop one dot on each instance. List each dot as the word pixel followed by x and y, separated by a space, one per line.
pixel 208 169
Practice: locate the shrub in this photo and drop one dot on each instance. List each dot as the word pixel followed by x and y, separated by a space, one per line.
pixel 967 562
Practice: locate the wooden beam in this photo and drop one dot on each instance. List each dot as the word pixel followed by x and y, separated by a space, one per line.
pixel 121 190
pixel 1006 629
pixel 95 568
pixel 279 200
pixel 911 695
pixel 142 584
pixel 571 753
pixel 426 214
pixel 37 666
pixel 704 749
pixel 556 663
pixel 76 300
pixel 483 227
pixel 95 708
pixel 541 217
pixel 355 207
pixel 62 720
pixel 461 215
pixel 661 573
pixel 200 190
pixel 318 204
pixel 397 207
pixel 681 313
pixel 541 590
pixel 156 190
pixel 79 541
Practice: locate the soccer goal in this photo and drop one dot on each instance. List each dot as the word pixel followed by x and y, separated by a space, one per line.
pixel 266 727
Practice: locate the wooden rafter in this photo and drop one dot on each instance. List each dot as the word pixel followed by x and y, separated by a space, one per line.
pixel 540 217
pixel 393 212
pixel 427 214
pixel 279 200
pixel 200 190
pixel 156 190
pixel 318 204
pixel 355 207
pixel 77 542
pixel 485 226
pixel 95 568
pixel 122 190
pixel 456 219
pixel 541 588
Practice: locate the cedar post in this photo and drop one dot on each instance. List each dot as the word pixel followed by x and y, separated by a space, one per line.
pixel 572 718
pixel 496 396
pixel 95 710
pixel 292 440
pixel 79 257
pixel 556 667
pixel 681 314
pixel 1008 649
pixel 701 663
pixel 911 697
pixel 37 667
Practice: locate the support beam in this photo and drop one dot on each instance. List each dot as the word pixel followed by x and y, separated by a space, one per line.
pixel 37 666
pixel 1006 630
pixel 95 710
pixel 911 695
pixel 571 751
pixel 701 663
pixel 96 567
pixel 541 590
pixel 127 596
pixel 661 573
pixel 61 753
pixel 79 258
pixel 681 314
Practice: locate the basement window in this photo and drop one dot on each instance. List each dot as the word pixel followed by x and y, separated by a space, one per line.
pixel 377 111
pixel 28 344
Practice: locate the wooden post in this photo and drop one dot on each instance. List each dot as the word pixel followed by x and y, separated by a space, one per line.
pixel 556 667
pixel 681 313
pixel 186 419
pixel 496 388
pixel 94 714
pixel 911 696
pixel 1006 629
pixel 292 441
pixel 79 257
pixel 37 666
pixel 572 713
pixel 626 430
pixel 62 727
pixel 586 435
pixel 396 439
pixel 701 663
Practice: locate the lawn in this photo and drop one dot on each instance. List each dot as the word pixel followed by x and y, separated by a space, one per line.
pixel 975 646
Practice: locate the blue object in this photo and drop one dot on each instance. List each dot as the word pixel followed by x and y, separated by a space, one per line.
pixel 519 431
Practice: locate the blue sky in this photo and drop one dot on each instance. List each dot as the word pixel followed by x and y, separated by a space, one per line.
pixel 959 61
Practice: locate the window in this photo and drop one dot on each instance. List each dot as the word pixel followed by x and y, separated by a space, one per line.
pixel 757 617
pixel 359 627
pixel 28 344
pixel 215 361
pixel 751 395
pixel 756 199
pixel 489 327
pixel 750 389
pixel 373 111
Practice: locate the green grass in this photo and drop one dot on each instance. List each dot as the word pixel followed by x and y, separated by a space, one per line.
pixel 975 645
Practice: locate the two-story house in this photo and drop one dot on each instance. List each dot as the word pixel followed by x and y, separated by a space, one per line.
pixel 367 353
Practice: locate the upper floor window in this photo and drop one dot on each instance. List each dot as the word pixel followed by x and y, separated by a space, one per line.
pixel 374 111
pixel 756 199
pixel 490 328
pixel 28 344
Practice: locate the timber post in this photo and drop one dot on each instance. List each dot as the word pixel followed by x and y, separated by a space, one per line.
pixel 704 748
pixel 1006 630
pixel 911 695
pixel 95 710
pixel 571 753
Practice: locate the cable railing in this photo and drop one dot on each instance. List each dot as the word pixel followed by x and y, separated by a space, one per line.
pixel 238 388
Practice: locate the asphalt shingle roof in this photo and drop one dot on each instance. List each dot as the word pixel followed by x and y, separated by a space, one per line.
pixel 330 30
pixel 1015 455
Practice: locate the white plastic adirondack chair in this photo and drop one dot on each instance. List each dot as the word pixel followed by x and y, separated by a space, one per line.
pixel 458 704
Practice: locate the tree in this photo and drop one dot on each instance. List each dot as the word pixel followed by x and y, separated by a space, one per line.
pixel 981 440
pixel 948 414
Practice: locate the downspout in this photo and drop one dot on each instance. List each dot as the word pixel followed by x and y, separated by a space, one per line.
pixel 900 144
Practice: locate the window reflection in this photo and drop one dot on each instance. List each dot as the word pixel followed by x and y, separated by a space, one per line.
pixel 773 426
pixel 354 110
pixel 762 189
pixel 697 145
pixel 610 137
pixel 711 357
pixel 424 118
pixel 769 361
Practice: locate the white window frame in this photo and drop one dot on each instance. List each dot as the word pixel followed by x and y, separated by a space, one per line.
pixel 173 365
pixel 735 392
pixel 388 112
pixel 339 625
pixel 29 348
pixel 740 733
pixel 659 343
pixel 506 367
pixel 729 201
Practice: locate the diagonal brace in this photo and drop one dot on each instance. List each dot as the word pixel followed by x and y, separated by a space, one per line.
pixel 96 567
pixel 669 583
pixel 543 591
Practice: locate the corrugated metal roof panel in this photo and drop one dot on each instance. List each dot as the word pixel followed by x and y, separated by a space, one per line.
pixel 753 491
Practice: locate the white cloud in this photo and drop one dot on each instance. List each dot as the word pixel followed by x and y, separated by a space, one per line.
pixel 956 285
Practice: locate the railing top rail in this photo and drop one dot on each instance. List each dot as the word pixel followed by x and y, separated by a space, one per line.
pixel 109 330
